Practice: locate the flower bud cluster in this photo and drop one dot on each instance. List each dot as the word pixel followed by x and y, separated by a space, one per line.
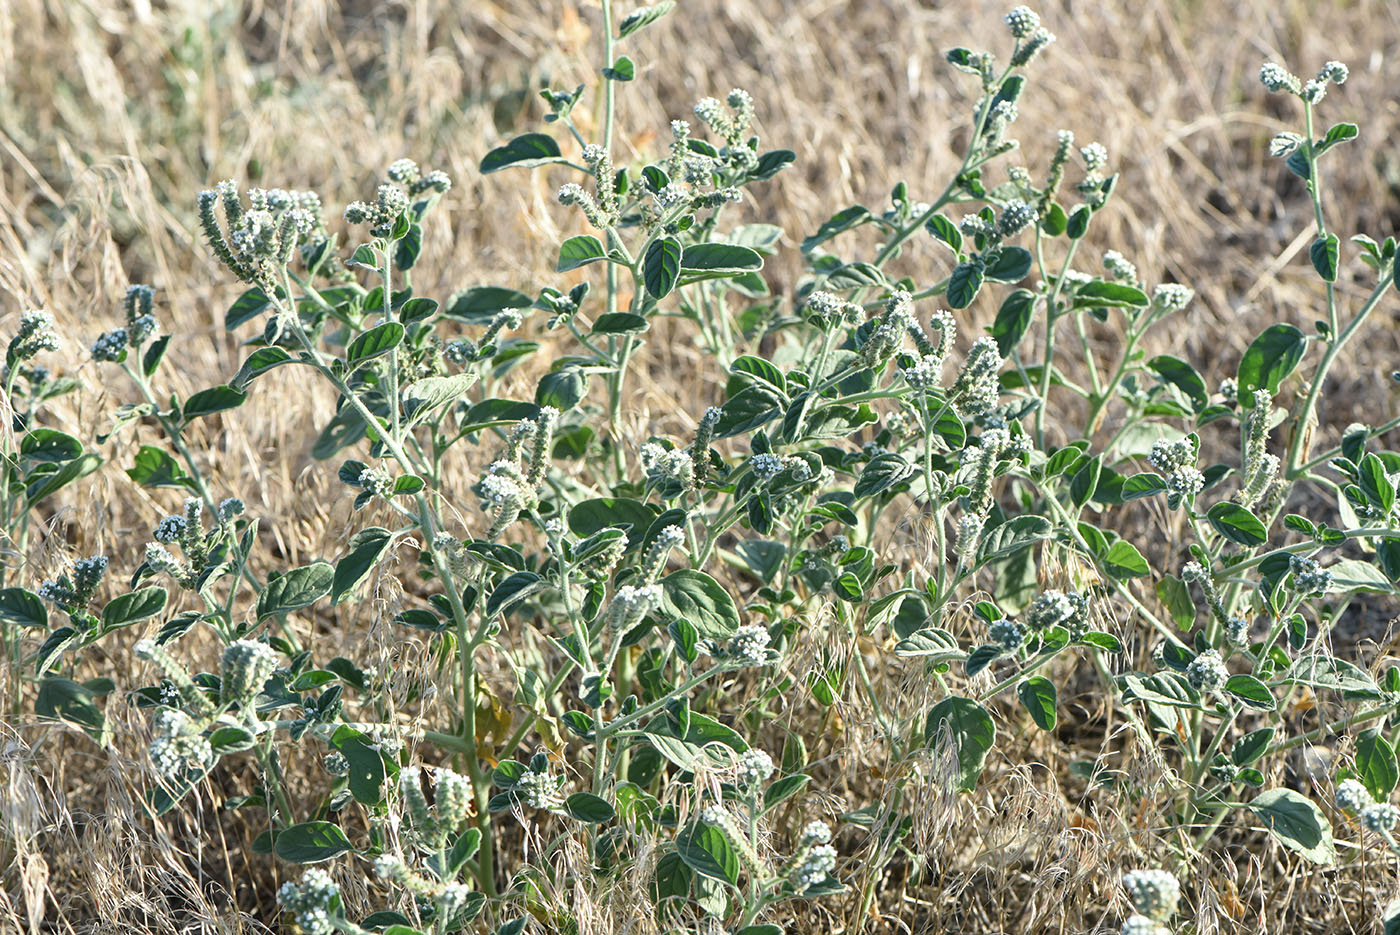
pixel 667 464
pixel 827 309
pixel 178 675
pixel 754 767
pixel 1207 671
pixel 1177 462
pixel 1352 797
pixel 1308 576
pixel 261 238
pixel 1382 817
pixel 313 904
pixel 73 592
pixel 1007 633
pixel 35 335
pixel 1056 608
pixel 748 647
pixel 718 817
pixel 1119 266
pixel 1154 893
pixel 244 668
pixel 178 748
pixel 978 386
pixel 1030 45
pixel 1171 297
pixel 1023 22
pixel 889 331
pixel 630 604
pixel 538 790
pixel 1259 468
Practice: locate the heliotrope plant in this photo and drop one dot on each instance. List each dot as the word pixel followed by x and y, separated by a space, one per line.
pixel 666 582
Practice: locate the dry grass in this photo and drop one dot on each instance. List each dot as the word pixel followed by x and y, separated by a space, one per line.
pixel 114 113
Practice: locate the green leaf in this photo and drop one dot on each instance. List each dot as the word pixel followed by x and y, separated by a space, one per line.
pixel 592 516
pixel 1012 264
pixel 1268 360
pixel 311 842
pixel 408 247
pixel 532 149
pixel 579 251
pixel 1037 694
pixel 245 308
pixel 642 18
pixel 65 700
pixel 771 163
pixel 21 608
pixel 1352 574
pixel 589 808
pixel 720 257
pixel 971 731
pixel 1123 561
pixel 1339 133
pixel 1081 486
pixel 1374 482
pixel 1376 767
pixel 131 608
pixel 511 591
pixel 946 231
pixel 706 850
pixel 155 353
pixel 366 549
pixel 480 304
pixel 620 323
pixel 662 266
pixel 696 597
pixel 375 342
pixel 1324 253
pixel 1012 536
pixel 1176 598
pixel 1297 824
pixel 760 369
pixel 50 446
pixel 1013 320
pixel 215 399
pixel 227 740
pixel 562 389
pixel 621 70
pixel 259 362
pixel 1100 293
pixel 838 223
pixel 298 588
pixel 883 472
pixel 42 485
pixel 1237 524
pixel 964 284
pixel 366 776
pixel 423 396
pixel 1249 748
pixel 1251 691
pixel 1183 376
pixel 1142 485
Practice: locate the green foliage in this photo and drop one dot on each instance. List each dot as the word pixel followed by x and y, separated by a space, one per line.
pixel 647 602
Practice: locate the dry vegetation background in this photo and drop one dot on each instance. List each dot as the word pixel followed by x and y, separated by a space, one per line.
pixel 114 113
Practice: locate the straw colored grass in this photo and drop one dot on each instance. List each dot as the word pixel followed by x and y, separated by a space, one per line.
pixel 114 113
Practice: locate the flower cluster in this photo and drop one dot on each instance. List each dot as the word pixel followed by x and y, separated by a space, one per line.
pixel 1154 895
pixel 243 669
pixel 1207 671
pixel 1176 461
pixel 262 237
pixel 978 386
pixel 35 335
pixel 72 592
pixel 314 903
pixel 1308 576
